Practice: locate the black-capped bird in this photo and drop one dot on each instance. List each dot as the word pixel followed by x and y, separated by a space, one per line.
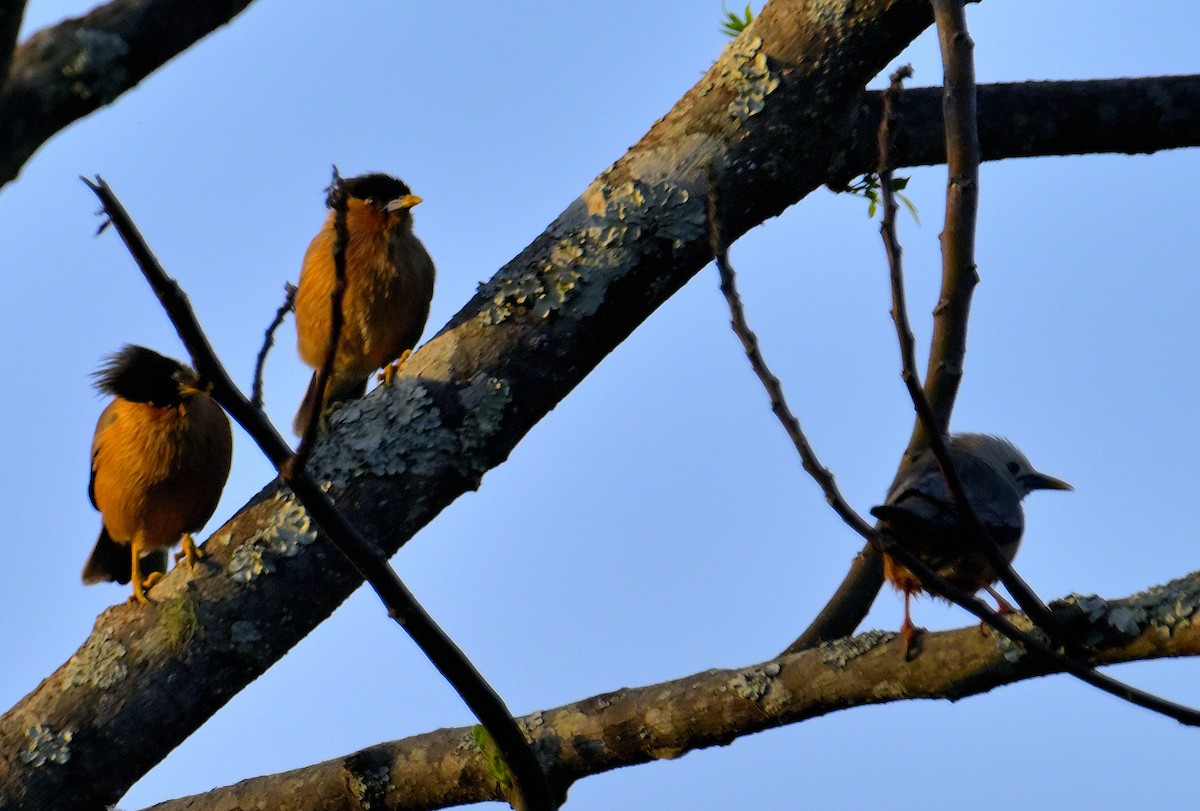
pixel 920 514
pixel 160 458
pixel 389 285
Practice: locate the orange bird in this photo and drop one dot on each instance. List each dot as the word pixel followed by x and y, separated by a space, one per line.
pixel 920 514
pixel 160 458
pixel 389 285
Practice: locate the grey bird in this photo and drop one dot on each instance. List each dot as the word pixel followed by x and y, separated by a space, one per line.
pixel 920 514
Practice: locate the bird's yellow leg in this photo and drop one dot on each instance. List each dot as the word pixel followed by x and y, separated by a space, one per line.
pixel 140 586
pixel 189 551
pixel 388 375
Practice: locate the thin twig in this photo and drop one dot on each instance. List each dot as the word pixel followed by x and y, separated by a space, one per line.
pixel 337 200
pixel 936 430
pixel 289 302
pixel 948 345
pixel 532 787
pixel 779 406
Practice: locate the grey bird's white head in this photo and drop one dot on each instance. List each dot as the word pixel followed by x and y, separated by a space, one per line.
pixel 920 513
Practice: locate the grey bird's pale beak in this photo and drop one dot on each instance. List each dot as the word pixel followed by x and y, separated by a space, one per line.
pixel 1040 481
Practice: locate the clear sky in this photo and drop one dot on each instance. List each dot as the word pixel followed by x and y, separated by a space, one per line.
pixel 657 523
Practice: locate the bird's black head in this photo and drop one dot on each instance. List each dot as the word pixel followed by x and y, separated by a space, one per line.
pixel 142 375
pixel 380 191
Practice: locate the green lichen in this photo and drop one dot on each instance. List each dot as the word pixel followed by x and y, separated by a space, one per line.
pixel 46 746
pixel 99 663
pixel 177 618
pixel 839 652
pixel 494 764
pixel 621 221
pixel 96 69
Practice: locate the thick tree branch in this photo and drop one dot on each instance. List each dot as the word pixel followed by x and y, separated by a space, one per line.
pixel 668 720
pixel 66 71
pixel 1032 119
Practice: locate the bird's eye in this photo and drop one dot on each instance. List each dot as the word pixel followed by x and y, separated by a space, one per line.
pixel 1013 467
pixel 371 201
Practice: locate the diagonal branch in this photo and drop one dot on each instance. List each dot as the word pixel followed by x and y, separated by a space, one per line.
pixel 64 72
pixel 442 768
pixel 532 791
pixel 11 14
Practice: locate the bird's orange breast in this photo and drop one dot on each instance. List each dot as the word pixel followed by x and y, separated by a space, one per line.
pixel 159 472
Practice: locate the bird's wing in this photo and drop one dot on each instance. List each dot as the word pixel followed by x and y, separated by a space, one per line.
pixel 107 417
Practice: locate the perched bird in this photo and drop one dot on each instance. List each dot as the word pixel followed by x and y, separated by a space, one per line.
pixel 160 458
pixel 920 514
pixel 389 284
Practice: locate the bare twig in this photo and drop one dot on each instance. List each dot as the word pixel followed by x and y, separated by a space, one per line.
pixel 779 406
pixel 289 302
pixel 958 232
pixel 532 786
pixel 337 200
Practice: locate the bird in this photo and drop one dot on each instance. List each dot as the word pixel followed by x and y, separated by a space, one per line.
pixel 160 458
pixel 920 514
pixel 389 286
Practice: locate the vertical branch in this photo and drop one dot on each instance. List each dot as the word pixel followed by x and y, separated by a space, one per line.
pixel 959 274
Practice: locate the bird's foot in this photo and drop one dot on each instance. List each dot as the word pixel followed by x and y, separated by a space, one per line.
pixel 388 375
pixel 1003 606
pixel 140 587
pixel 189 551
pixel 911 635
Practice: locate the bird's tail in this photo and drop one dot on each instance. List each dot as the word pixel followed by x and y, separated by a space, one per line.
pixel 111 561
pixel 339 389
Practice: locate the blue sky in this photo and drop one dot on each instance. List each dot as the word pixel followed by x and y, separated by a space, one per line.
pixel 657 523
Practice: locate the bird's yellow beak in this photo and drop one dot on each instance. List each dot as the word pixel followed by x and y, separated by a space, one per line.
pixel 402 203
pixel 1040 481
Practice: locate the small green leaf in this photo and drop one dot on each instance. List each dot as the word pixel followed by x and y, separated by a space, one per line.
pixel 909 205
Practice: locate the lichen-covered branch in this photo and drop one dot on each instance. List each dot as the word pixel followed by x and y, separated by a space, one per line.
pixel 668 720
pixel 68 70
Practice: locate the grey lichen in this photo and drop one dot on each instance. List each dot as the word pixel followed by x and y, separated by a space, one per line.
pixel 752 684
pixel 362 439
pixel 286 532
pixel 1013 651
pixel 621 221
pixel 46 746
pixel 96 68
pixel 483 402
pixel 99 663
pixel 841 651
pixel 244 635
pixel 1163 608
pixel 370 786
pixel 748 75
